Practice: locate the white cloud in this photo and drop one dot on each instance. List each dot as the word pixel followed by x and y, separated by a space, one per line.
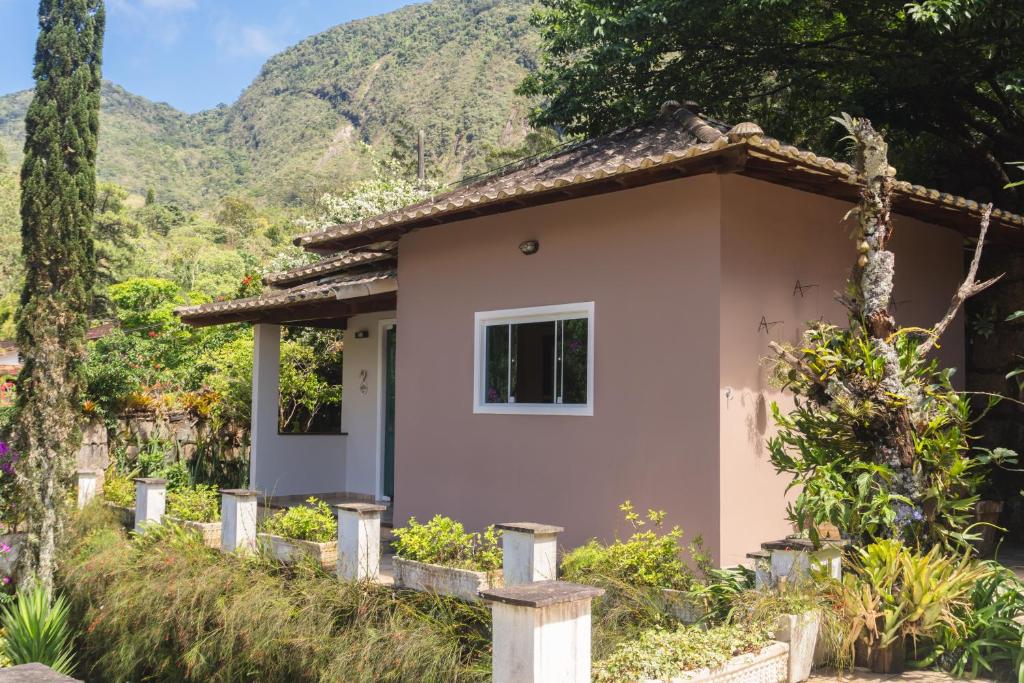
pixel 246 41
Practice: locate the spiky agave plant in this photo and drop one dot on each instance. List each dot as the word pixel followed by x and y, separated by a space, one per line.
pixel 36 629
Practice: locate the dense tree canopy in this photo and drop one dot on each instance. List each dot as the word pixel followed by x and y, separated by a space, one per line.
pixel 944 78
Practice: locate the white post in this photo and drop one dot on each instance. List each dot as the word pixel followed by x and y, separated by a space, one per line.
pixel 359 541
pixel 88 484
pixel 530 552
pixel 266 380
pixel 541 632
pixel 150 499
pixel 238 520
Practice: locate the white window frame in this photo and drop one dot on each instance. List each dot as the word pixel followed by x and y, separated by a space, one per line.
pixel 536 314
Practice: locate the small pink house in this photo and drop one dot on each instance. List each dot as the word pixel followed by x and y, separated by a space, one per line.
pixel 584 329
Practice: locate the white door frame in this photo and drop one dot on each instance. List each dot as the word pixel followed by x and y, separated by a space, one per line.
pixel 382 325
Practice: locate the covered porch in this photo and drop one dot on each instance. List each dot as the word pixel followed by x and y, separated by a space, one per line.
pixel 356 293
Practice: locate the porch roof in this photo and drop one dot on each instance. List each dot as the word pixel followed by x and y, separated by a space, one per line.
pixel 345 262
pixel 679 143
pixel 327 302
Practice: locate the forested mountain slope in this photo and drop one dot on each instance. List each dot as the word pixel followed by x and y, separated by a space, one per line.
pixel 448 67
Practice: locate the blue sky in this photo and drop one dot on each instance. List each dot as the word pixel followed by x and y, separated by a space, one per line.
pixel 192 54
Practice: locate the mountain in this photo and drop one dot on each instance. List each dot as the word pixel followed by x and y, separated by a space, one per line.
pixel 448 67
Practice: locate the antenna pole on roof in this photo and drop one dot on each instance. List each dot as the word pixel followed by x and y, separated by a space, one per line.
pixel 421 167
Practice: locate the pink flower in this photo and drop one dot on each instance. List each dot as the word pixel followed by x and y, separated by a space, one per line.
pixel 6 580
pixel 4 548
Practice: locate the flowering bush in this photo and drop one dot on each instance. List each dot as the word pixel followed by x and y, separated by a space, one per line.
pixel 8 509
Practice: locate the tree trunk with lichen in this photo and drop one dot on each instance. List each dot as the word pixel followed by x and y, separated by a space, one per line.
pixel 872 285
pixel 58 195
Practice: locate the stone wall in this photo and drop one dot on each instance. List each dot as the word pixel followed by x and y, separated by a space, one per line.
pixel 182 434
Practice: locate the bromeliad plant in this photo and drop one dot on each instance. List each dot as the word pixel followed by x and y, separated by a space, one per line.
pixel 896 596
pixel 445 542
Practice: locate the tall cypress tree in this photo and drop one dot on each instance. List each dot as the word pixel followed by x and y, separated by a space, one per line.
pixel 58 194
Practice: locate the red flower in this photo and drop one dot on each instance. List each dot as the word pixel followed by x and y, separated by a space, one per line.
pixel 152 334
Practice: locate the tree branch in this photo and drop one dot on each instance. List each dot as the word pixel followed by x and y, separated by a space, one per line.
pixel 969 288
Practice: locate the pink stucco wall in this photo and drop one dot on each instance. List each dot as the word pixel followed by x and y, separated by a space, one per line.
pixel 648 259
pixel 680 273
pixel 773 236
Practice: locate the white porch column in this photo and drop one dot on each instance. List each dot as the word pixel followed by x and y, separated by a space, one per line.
pixel 238 520
pixel 359 541
pixel 529 551
pixel 266 377
pixel 541 632
pixel 88 485
pixel 150 500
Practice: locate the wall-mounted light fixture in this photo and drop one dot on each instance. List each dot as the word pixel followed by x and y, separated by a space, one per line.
pixel 529 247
pixel 362 334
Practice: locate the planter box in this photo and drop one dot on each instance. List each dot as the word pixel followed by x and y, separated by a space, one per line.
pixel 126 516
pixel 291 550
pixel 464 584
pixel 209 531
pixel 683 606
pixel 801 632
pixel 767 666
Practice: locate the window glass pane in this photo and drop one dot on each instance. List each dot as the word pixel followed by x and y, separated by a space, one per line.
pixel 534 367
pixel 496 381
pixel 573 374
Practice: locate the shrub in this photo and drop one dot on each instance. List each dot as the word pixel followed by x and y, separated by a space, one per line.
pixel 36 629
pixel 664 654
pixel 445 542
pixel 118 489
pixel 312 522
pixel 160 607
pixel 195 504
pixel 650 557
pixel 989 638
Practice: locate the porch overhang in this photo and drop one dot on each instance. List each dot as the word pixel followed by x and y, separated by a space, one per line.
pixel 324 304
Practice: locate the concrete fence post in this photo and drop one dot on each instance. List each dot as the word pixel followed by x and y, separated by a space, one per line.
pixel 150 501
pixel 541 632
pixel 529 551
pixel 88 486
pixel 238 520
pixel 359 541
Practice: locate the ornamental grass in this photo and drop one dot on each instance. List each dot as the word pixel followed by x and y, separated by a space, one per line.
pixel 162 607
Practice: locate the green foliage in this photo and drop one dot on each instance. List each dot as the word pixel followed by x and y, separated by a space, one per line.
pixel 788 65
pixel 990 639
pixel 119 488
pixel 651 557
pixel 200 503
pixel 313 521
pixel 36 629
pixel 305 391
pixel 893 593
pixel 445 542
pixel 834 447
pixel 665 654
pixel 206 616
